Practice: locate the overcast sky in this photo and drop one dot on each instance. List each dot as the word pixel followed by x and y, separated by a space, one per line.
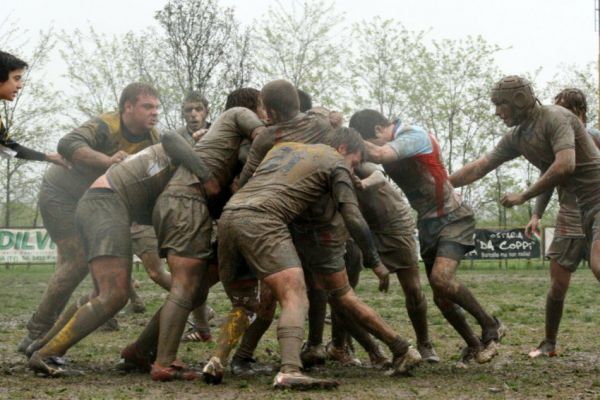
pixel 537 33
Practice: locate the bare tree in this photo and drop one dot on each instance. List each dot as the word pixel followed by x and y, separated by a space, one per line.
pixel 298 42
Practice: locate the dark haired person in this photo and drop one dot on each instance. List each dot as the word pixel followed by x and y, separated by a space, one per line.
pixel 12 70
pixel 91 148
pixel 412 159
pixel 568 247
pixel 194 110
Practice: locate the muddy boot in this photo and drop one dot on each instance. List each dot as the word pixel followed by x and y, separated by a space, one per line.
pixel 47 366
pixel 249 367
pixel 312 355
pixel 546 348
pixel 176 371
pixel 378 359
pixel 342 355
pixel 401 365
pixel 467 356
pixel 133 359
pixel 213 371
pixel 487 353
pixel 428 352
pixel 299 381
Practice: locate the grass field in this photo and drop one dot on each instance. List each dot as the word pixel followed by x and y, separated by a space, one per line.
pixel 515 295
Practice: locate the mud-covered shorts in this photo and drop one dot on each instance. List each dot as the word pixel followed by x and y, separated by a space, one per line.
pixel 102 221
pixel 263 241
pixel 397 251
pixel 143 239
pixel 449 236
pixel 568 252
pixel 58 212
pixel 182 223
pixel 591 224
pixel 321 249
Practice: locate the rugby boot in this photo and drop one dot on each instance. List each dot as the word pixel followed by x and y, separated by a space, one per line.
pixel 342 355
pixel 213 371
pixel 312 355
pixel 427 352
pixel 299 381
pixel 48 366
pixel 481 355
pixel 176 371
pixel 378 359
pixel 546 348
pixel 249 367
pixel 467 356
pixel 401 365
pixel 132 359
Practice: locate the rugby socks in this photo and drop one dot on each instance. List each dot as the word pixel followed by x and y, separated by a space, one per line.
pixel 339 335
pixel 554 310
pixel 361 335
pixel 87 318
pixel 417 312
pixel 251 337
pixel 464 298
pixel 231 331
pixel 399 347
pixel 455 316
pixel 290 342
pixel 173 315
pixel 147 342
pixel 63 320
pixel 317 299
pixel 200 314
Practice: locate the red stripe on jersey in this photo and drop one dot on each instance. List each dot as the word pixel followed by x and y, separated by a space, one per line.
pixel 433 164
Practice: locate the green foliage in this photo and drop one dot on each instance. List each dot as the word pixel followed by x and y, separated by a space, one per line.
pixel 297 43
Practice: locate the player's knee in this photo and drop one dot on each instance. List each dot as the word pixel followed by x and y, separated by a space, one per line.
pixel 440 283
pixel 116 299
pixel 340 296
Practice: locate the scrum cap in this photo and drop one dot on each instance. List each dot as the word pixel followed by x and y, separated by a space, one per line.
pixel 515 91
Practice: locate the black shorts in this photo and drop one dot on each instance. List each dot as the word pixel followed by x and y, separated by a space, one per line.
pixel 449 236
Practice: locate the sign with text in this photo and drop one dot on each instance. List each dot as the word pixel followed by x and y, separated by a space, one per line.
pixel 26 246
pixel 504 244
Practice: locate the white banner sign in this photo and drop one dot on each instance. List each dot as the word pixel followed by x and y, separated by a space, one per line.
pixel 26 246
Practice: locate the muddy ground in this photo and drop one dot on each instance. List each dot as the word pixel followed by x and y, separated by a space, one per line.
pixel 515 295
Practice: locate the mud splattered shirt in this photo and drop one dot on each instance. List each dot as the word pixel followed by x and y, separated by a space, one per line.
pixel 420 173
pixel 304 128
pixel 549 130
pixel 384 208
pixel 140 179
pixel 219 147
pixel 292 177
pixel 105 134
